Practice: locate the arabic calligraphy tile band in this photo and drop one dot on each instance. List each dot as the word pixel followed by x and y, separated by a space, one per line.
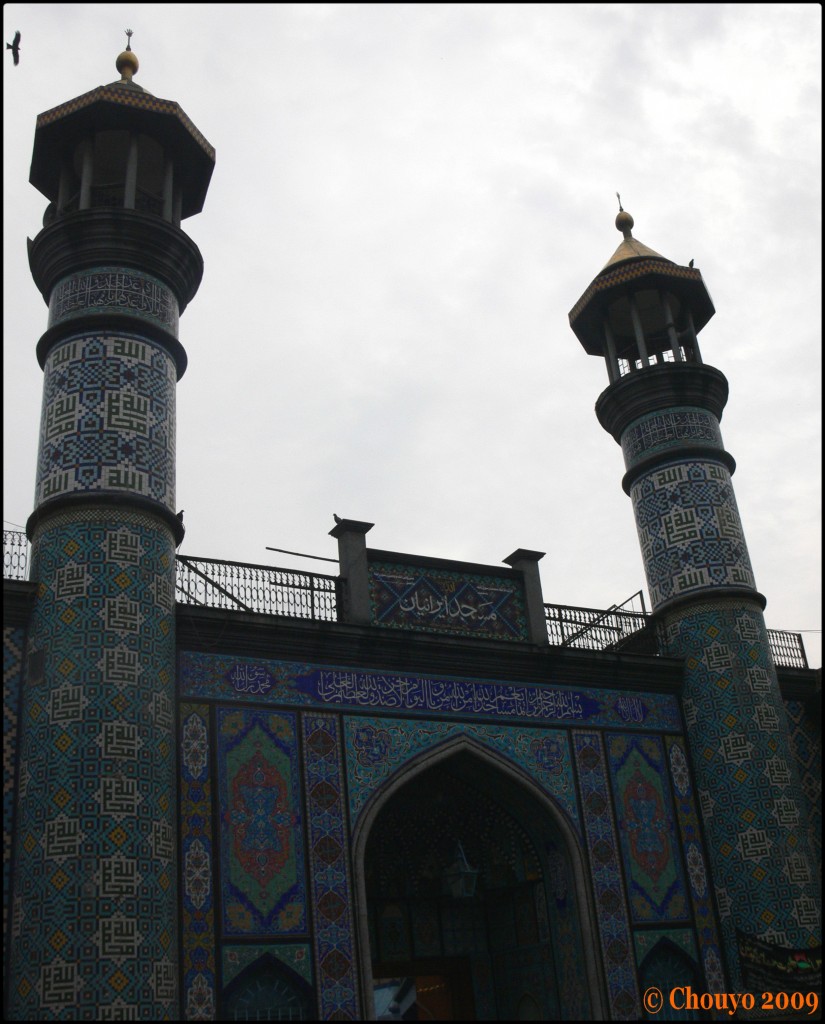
pixel 108 422
pixel 104 290
pixel 689 529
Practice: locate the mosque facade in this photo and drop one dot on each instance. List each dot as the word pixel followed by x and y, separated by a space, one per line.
pixel 412 789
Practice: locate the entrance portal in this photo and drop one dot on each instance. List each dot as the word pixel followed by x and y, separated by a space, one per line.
pixel 471 907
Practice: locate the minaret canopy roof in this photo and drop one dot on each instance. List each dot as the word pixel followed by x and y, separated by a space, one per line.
pixel 632 269
pixel 123 106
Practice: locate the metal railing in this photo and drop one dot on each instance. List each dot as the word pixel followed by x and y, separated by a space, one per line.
pixel 592 629
pixel 239 586
pixel 16 555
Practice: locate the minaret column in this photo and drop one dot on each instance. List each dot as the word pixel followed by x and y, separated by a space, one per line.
pixel 94 908
pixel 666 418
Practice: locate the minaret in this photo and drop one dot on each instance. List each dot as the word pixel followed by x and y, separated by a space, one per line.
pixel 94 903
pixel 642 313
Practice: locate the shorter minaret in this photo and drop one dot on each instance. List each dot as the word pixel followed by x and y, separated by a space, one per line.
pixel 642 313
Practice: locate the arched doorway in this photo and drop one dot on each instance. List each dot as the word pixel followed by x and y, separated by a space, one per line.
pixel 472 899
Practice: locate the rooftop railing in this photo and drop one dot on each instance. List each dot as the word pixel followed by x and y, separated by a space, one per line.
pixel 239 586
pixel 262 589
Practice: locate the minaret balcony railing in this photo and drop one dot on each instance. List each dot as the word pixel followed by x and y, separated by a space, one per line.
pixel 107 196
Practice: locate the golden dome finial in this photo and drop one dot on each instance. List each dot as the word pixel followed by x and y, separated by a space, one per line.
pixel 624 222
pixel 127 63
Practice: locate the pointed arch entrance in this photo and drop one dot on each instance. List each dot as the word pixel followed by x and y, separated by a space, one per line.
pixel 472 896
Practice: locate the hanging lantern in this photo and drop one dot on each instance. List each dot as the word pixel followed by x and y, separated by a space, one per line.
pixel 460 879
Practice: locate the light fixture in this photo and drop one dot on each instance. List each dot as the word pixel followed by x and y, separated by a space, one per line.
pixel 460 879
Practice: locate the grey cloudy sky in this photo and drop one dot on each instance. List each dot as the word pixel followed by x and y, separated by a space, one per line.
pixel 408 200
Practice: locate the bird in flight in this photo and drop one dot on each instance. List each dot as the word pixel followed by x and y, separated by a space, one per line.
pixel 14 46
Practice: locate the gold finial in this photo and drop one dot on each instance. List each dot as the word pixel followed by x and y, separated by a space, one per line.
pixel 624 222
pixel 127 63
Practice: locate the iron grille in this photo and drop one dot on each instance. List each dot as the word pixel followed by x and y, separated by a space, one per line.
pixel 239 586
pixel 15 555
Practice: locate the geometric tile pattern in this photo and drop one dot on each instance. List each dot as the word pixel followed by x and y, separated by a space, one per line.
pixel 338 989
pixel 806 749
pixel 95 847
pixel 108 421
pixel 197 865
pixel 376 748
pixel 745 776
pixel 650 847
pixel 677 427
pixel 692 849
pixel 13 640
pixel 689 530
pixel 103 290
pixel 608 890
pixel 224 677
pixel 571 981
pixel 259 794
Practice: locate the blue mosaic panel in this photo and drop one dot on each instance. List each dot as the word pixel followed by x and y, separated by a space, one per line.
pixel 670 429
pixel 805 733
pixel 263 885
pixel 444 601
pixel 647 829
pixel 377 748
pixel 694 855
pixel 338 995
pixel 94 903
pixel 108 422
pixel 197 865
pixel 746 778
pixel 689 530
pixel 566 942
pixel 105 290
pixel 215 677
pixel 606 875
pixel 294 955
pixel 13 640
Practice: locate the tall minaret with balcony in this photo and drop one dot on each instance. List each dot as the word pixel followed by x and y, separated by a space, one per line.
pixel 642 314
pixel 94 902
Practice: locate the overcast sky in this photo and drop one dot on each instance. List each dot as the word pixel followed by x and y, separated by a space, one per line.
pixel 408 199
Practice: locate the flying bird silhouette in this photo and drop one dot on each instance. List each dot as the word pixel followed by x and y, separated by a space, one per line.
pixel 690 264
pixel 14 46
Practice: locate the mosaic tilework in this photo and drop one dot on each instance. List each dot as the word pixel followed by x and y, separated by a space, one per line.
pixel 745 777
pixel 197 856
pixel 377 748
pixel 805 733
pixel 443 601
pixel 571 981
pixel 668 429
pixel 645 941
pixel 13 640
pixel 647 829
pixel 262 870
pixel 108 421
pixel 689 530
pixel 338 990
pixel 699 880
pixel 105 290
pixel 214 677
pixel 296 956
pixel 608 890
pixel 96 837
